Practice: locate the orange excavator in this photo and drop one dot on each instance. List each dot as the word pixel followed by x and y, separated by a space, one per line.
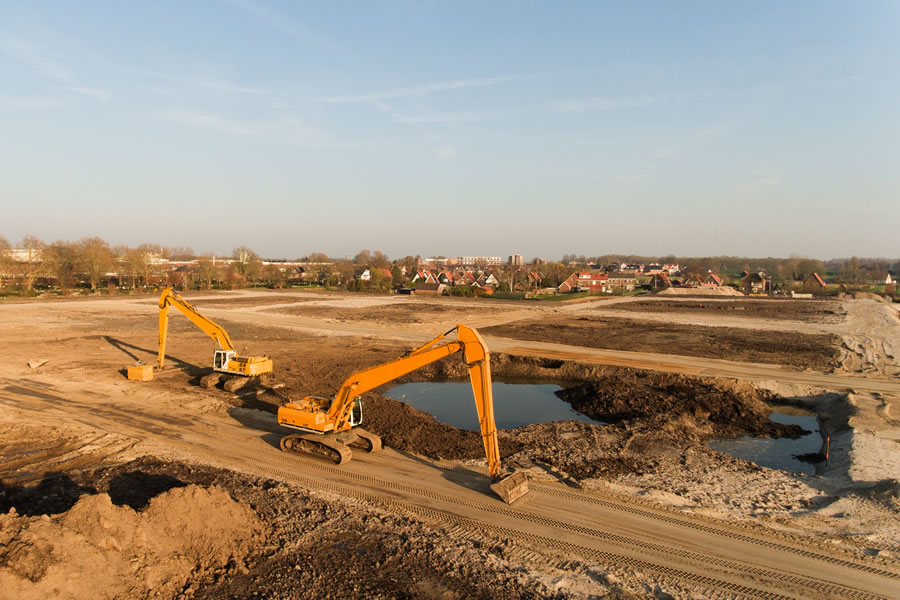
pixel 225 360
pixel 331 426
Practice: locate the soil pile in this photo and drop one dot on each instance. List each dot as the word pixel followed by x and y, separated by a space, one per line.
pixel 688 408
pixel 99 550
pixel 402 427
pixel 717 291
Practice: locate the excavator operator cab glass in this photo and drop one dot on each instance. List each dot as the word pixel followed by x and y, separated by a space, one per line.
pixel 220 361
pixel 356 413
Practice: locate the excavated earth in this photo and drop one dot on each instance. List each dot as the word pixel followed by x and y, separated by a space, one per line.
pixel 650 417
pixel 799 350
pixel 811 311
pixel 150 528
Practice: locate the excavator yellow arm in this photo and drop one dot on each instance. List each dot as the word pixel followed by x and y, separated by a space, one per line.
pixel 328 424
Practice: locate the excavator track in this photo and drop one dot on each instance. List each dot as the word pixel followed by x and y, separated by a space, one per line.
pixel 368 441
pixel 318 445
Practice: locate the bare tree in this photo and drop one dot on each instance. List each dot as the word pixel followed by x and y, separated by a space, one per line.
pixel 5 259
pixel 63 262
pixel 318 257
pixel 96 259
pixel 380 260
pixel 34 261
pixel 207 270
pixel 363 257
pixel 274 276
pixel 146 259
pixel 246 264
pixel 181 253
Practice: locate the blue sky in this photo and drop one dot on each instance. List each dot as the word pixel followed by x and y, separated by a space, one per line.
pixel 538 128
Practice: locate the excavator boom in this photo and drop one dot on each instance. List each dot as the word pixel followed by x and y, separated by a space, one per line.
pixel 225 360
pixel 316 415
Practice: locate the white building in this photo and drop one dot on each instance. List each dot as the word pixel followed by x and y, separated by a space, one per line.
pixel 480 260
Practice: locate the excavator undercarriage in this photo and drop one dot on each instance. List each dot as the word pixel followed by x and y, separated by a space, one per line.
pixel 333 446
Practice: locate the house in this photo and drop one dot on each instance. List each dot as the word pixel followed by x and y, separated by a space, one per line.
pixel 660 281
pixel 888 280
pixel 712 280
pixel 424 277
pixel 693 281
pixel 487 279
pixel 445 277
pixel 363 274
pixel 755 283
pixel 534 279
pixel 569 285
pixel 465 278
pixel 622 281
pixel 591 281
pixel 813 285
pixel 671 269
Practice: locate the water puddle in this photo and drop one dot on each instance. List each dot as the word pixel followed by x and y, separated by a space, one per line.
pixel 778 453
pixel 515 404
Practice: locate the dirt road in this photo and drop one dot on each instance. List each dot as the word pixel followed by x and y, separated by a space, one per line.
pixel 555 523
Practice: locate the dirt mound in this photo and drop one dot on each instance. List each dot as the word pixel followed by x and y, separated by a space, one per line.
pixel 99 550
pixel 719 291
pixel 402 427
pixel 866 296
pixel 685 407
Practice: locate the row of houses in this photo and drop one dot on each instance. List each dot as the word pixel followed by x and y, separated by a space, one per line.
pixel 597 282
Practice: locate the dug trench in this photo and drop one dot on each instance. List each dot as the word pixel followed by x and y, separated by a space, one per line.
pixel 650 418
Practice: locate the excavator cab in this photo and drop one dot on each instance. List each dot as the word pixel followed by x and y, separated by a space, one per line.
pixel 220 360
pixel 356 412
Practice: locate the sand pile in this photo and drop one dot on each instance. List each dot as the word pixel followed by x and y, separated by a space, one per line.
pixel 98 550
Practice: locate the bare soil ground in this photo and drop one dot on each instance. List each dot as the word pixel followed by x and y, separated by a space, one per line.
pixel 817 352
pixel 418 312
pixel 811 311
pixel 318 544
pixel 304 545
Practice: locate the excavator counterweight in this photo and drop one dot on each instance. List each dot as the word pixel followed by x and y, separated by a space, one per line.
pixel 330 426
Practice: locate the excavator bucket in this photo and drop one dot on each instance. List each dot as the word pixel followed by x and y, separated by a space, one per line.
pixel 511 488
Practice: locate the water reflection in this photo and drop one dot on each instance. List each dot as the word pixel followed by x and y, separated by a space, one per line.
pixel 777 453
pixel 515 404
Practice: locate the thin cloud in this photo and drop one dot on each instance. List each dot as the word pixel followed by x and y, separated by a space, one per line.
pixel 614 103
pixel 92 92
pixel 287 26
pixel 762 180
pixel 232 88
pixel 31 103
pixel 445 152
pixel 284 130
pixel 36 58
pixel 429 88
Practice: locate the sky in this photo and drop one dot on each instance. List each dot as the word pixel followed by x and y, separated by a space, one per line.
pixel 454 128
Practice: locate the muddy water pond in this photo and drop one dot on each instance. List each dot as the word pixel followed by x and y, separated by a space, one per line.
pixel 515 404
pixel 778 453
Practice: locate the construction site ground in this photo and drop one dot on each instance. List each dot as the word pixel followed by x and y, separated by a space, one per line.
pixel 104 480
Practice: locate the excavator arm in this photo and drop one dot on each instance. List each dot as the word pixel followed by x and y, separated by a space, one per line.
pixel 210 328
pixel 476 359
pixel 328 422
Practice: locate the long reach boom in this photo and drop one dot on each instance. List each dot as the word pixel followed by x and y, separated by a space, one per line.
pixel 329 422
